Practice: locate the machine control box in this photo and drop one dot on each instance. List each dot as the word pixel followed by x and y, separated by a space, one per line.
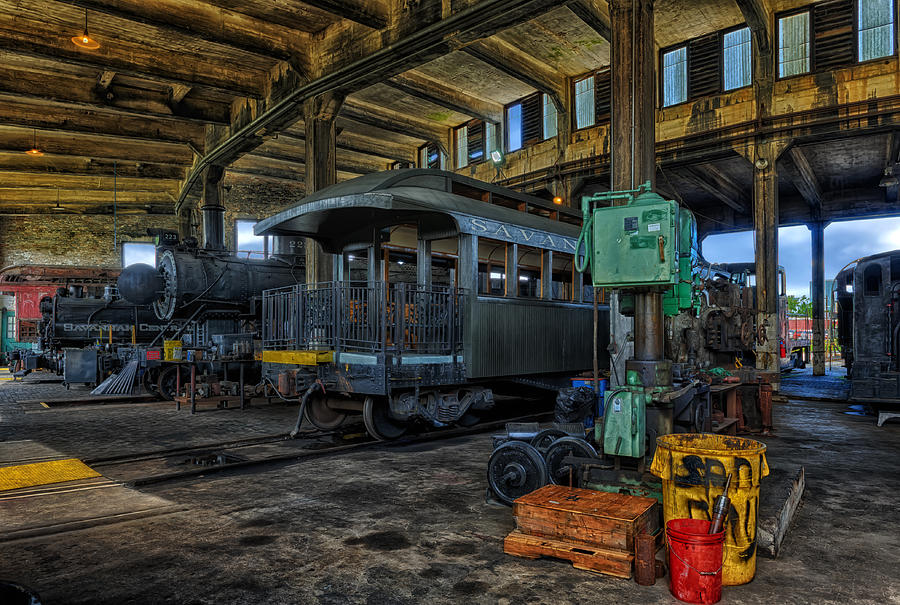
pixel 637 244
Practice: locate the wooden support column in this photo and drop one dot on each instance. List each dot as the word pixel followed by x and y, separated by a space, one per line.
pixel 512 269
pixel 817 233
pixel 633 155
pixel 319 115
pixel 423 262
pixel 765 226
pixel 547 274
pixel 633 61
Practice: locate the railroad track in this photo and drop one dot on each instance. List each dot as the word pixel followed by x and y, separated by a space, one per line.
pixel 153 467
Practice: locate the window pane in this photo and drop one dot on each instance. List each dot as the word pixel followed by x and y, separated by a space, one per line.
pixel 490 134
pixel 514 126
pixel 736 50
pixel 793 45
pixel 549 115
pixel 584 102
pixel 135 252
pixel 675 76
pixel 248 242
pixel 462 146
pixel 876 29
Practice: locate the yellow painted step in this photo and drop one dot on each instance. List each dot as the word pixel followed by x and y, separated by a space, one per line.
pixel 44 473
pixel 301 358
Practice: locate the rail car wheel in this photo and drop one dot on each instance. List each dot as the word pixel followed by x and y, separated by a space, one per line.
pixel 150 380
pixel 515 469
pixel 545 438
pixel 565 447
pixel 320 415
pixel 379 424
pixel 167 383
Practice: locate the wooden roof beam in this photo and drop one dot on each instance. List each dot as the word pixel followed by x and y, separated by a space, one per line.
pixel 508 59
pixel 385 119
pixel 421 87
pixel 14 138
pixel 595 14
pixel 16 161
pixel 804 178
pixel 207 22
pixel 731 199
pixel 370 14
pixel 350 141
pixel 57 117
pixel 30 37
pixel 12 179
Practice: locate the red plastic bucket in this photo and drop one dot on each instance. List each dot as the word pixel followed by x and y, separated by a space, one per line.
pixel 695 561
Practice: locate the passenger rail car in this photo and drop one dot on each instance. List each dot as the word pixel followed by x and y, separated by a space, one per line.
pixel 868 297
pixel 444 290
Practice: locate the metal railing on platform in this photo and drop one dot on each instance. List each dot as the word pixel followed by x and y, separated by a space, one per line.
pixel 364 317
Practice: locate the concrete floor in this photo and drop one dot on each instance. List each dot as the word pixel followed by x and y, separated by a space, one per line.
pixel 409 524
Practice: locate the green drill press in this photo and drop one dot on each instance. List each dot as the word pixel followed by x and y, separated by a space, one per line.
pixel 644 247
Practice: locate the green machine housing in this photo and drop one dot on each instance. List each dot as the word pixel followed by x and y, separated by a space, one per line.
pixel 646 243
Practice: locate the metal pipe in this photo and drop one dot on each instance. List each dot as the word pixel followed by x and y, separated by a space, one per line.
pixel 648 326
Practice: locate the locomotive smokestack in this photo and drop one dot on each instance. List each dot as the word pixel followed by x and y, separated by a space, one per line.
pixel 140 284
pixel 212 210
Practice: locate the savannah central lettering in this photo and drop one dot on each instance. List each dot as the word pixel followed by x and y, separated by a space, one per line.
pixel 519 235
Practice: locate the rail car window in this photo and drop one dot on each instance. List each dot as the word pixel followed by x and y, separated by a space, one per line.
pixel 564 274
pixel 876 29
pixel 138 252
pixel 247 243
pixel 793 45
pixel 491 267
pixel 529 272
pixel 872 280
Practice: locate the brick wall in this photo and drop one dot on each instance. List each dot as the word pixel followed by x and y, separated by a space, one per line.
pixel 72 240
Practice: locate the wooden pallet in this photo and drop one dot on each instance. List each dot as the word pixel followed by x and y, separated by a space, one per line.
pixel 582 556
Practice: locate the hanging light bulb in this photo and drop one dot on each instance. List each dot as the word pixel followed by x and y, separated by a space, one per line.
pixel 34 151
pixel 58 208
pixel 84 40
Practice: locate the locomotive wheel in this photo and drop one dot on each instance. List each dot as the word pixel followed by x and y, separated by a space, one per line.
pixel 546 437
pixel 166 383
pixel 320 415
pixel 379 424
pixel 150 380
pixel 468 419
pixel 561 449
pixel 515 469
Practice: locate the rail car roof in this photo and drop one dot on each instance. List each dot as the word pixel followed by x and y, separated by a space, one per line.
pixel 354 211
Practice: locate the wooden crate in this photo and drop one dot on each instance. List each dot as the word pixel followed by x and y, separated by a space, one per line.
pixel 584 516
pixel 582 556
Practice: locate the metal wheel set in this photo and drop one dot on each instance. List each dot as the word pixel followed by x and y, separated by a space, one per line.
pixel 527 457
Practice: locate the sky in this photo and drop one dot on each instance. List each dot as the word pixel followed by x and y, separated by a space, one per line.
pixel 844 242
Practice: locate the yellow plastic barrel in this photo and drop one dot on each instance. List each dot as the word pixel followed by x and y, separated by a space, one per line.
pixel 693 468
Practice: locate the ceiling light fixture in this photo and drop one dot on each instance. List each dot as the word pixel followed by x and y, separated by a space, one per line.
pixel 84 40
pixel 57 208
pixel 558 200
pixel 34 151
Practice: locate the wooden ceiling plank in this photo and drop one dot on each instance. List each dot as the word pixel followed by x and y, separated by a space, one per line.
pixel 415 85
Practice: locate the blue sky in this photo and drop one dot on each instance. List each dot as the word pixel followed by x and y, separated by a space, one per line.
pixel 844 242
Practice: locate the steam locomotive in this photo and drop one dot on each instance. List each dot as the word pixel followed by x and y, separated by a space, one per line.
pixel 868 297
